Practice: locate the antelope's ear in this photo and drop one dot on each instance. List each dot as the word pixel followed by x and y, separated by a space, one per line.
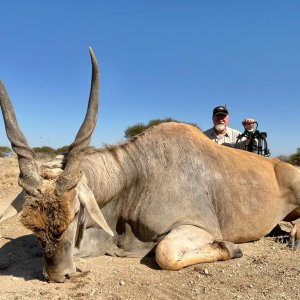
pixel 87 199
pixel 14 208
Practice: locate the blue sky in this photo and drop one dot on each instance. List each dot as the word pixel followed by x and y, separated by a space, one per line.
pixel 158 59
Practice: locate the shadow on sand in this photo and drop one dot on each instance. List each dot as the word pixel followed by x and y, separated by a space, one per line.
pixel 22 257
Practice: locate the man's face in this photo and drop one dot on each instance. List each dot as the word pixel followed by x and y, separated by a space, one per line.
pixel 220 122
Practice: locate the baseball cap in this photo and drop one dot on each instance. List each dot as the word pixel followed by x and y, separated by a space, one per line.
pixel 220 110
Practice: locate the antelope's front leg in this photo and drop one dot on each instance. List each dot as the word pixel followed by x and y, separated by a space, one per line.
pixel 295 235
pixel 187 245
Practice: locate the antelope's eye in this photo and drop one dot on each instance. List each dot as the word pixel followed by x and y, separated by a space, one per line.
pixel 57 235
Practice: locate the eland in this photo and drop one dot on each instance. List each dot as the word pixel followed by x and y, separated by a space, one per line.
pixel 169 191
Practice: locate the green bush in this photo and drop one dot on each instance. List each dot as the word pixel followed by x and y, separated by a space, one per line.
pixel 295 159
pixel 62 150
pixel 44 149
pixel 140 127
pixel 5 151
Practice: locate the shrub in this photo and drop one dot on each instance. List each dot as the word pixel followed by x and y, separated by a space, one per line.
pixel 140 127
pixel 5 151
pixel 295 159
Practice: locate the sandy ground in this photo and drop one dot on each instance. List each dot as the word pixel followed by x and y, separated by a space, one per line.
pixel 269 269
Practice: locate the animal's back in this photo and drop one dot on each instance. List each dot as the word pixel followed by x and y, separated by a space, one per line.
pixel 210 185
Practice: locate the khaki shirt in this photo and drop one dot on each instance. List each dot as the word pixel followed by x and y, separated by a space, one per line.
pixel 229 138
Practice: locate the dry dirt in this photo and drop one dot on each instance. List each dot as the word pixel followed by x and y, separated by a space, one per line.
pixel 269 269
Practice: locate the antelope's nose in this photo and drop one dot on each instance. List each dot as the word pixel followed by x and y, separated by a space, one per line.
pixel 58 277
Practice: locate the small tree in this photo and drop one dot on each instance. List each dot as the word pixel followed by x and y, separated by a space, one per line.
pixel 4 151
pixel 295 159
pixel 134 130
pixel 140 127
pixel 61 150
pixel 65 149
pixel 44 150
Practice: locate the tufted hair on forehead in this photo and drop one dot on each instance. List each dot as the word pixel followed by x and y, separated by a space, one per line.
pixel 48 217
pixel 53 168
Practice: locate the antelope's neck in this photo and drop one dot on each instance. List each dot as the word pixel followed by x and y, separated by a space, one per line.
pixel 109 174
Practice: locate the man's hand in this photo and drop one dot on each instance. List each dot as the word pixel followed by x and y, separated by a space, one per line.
pixel 248 124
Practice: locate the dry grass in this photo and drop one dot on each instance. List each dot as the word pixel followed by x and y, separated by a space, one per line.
pixel 9 171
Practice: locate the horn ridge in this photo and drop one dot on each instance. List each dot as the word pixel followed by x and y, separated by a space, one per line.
pixel 29 175
pixel 14 134
pixel 84 134
pixel 71 175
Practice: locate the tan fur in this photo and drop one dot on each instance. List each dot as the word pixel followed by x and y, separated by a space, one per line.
pixel 170 187
pixel 183 247
pixel 52 169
